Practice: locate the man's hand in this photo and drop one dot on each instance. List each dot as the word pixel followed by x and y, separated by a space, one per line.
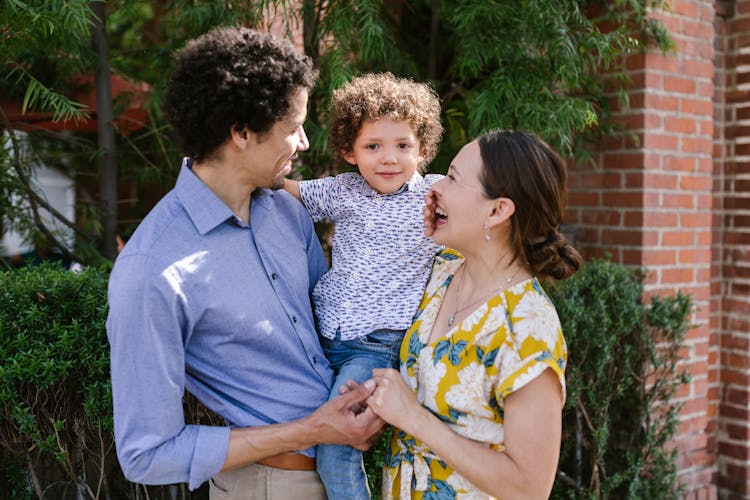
pixel 337 422
pixel 350 385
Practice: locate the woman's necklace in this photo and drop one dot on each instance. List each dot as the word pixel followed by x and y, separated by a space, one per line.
pixel 457 310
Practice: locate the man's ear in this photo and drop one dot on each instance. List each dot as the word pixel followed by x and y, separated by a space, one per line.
pixel 501 210
pixel 349 157
pixel 240 136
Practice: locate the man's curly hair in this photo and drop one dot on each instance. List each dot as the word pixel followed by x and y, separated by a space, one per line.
pixel 382 95
pixel 232 76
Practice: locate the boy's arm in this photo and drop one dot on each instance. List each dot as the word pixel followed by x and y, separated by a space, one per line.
pixel 292 187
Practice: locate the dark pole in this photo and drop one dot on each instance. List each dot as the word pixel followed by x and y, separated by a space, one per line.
pixel 107 157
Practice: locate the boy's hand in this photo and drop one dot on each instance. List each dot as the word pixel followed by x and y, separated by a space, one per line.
pixel 429 213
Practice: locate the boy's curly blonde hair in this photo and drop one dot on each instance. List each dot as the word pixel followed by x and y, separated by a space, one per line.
pixel 382 95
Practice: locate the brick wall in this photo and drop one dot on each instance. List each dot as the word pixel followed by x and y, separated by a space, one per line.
pixel 732 255
pixel 650 205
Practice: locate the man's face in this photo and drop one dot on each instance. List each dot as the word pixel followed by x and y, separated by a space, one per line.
pixel 273 152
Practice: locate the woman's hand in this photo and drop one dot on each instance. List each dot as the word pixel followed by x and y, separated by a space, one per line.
pixel 429 213
pixel 392 400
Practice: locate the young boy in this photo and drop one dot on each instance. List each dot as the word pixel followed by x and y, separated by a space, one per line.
pixel 389 128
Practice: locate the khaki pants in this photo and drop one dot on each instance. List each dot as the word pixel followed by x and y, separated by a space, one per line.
pixel 259 482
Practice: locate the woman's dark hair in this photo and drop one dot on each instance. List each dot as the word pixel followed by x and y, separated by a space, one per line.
pixel 232 77
pixel 522 167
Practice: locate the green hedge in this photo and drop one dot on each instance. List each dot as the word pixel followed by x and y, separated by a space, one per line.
pixel 622 373
pixel 55 403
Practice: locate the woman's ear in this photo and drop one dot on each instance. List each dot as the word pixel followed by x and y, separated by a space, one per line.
pixel 502 210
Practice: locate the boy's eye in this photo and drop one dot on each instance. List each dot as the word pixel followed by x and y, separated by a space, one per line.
pixel 371 146
pixel 403 146
pixel 450 176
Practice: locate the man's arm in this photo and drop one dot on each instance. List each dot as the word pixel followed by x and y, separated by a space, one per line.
pixel 333 423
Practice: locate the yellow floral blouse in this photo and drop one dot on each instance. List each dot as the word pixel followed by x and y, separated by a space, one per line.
pixel 464 376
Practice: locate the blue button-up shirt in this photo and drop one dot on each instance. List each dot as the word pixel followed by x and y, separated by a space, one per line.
pixel 381 257
pixel 200 300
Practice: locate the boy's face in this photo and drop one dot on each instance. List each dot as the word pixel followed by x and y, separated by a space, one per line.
pixel 387 154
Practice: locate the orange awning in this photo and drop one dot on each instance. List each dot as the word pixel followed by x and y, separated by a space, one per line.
pixel 127 120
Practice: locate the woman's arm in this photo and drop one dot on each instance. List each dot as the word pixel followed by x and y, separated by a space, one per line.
pixel 533 427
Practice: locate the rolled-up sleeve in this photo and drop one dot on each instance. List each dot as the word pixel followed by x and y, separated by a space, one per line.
pixel 319 197
pixel 147 327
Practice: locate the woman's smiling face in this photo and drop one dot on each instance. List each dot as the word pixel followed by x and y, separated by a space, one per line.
pixel 459 200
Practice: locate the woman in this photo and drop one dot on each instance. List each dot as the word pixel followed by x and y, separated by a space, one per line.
pixel 477 406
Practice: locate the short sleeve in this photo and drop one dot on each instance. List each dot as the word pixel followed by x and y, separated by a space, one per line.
pixel 319 197
pixel 536 342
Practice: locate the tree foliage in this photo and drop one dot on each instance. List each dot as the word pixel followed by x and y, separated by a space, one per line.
pixel 550 66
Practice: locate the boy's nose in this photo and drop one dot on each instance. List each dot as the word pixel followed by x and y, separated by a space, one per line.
pixel 388 156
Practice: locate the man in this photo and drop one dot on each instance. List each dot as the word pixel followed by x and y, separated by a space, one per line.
pixel 212 292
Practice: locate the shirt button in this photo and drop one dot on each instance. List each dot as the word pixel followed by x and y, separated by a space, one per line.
pixel 315 359
pixel 367 251
pixel 273 276
pixel 347 303
pixel 370 225
pixel 355 276
pixel 294 319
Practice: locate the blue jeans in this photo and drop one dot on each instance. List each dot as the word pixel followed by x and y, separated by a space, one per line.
pixel 340 467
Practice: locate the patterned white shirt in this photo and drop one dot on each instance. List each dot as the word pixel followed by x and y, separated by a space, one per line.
pixel 381 257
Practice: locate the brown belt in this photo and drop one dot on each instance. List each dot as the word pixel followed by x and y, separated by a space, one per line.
pixel 289 461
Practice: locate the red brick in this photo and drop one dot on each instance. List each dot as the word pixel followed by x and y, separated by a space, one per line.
pixel 692 106
pixel 627 160
pixel 680 85
pixel 734 450
pixel 697 145
pixel 695 182
pixel 661 62
pixel 660 101
pixel 624 199
pixel 732 376
pixel 679 163
pixel 687 256
pixel 695 220
pixel 678 238
pixel 673 200
pixel 737 432
pixel 739 25
pixel 698 68
pixel 584 199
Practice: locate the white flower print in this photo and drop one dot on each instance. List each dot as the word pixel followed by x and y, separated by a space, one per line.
pixel 468 395
pixel 411 381
pixel 480 429
pixel 460 484
pixel 496 319
pixel 474 318
pixel 527 376
pixel 429 379
pixel 538 319
pixel 507 361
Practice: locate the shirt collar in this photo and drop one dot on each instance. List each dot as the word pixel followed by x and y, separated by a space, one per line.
pixel 205 209
pixel 415 182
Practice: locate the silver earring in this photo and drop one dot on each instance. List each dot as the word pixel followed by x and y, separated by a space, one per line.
pixel 486 232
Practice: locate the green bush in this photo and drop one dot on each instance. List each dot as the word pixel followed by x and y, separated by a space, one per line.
pixel 622 371
pixel 56 413
pixel 55 406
